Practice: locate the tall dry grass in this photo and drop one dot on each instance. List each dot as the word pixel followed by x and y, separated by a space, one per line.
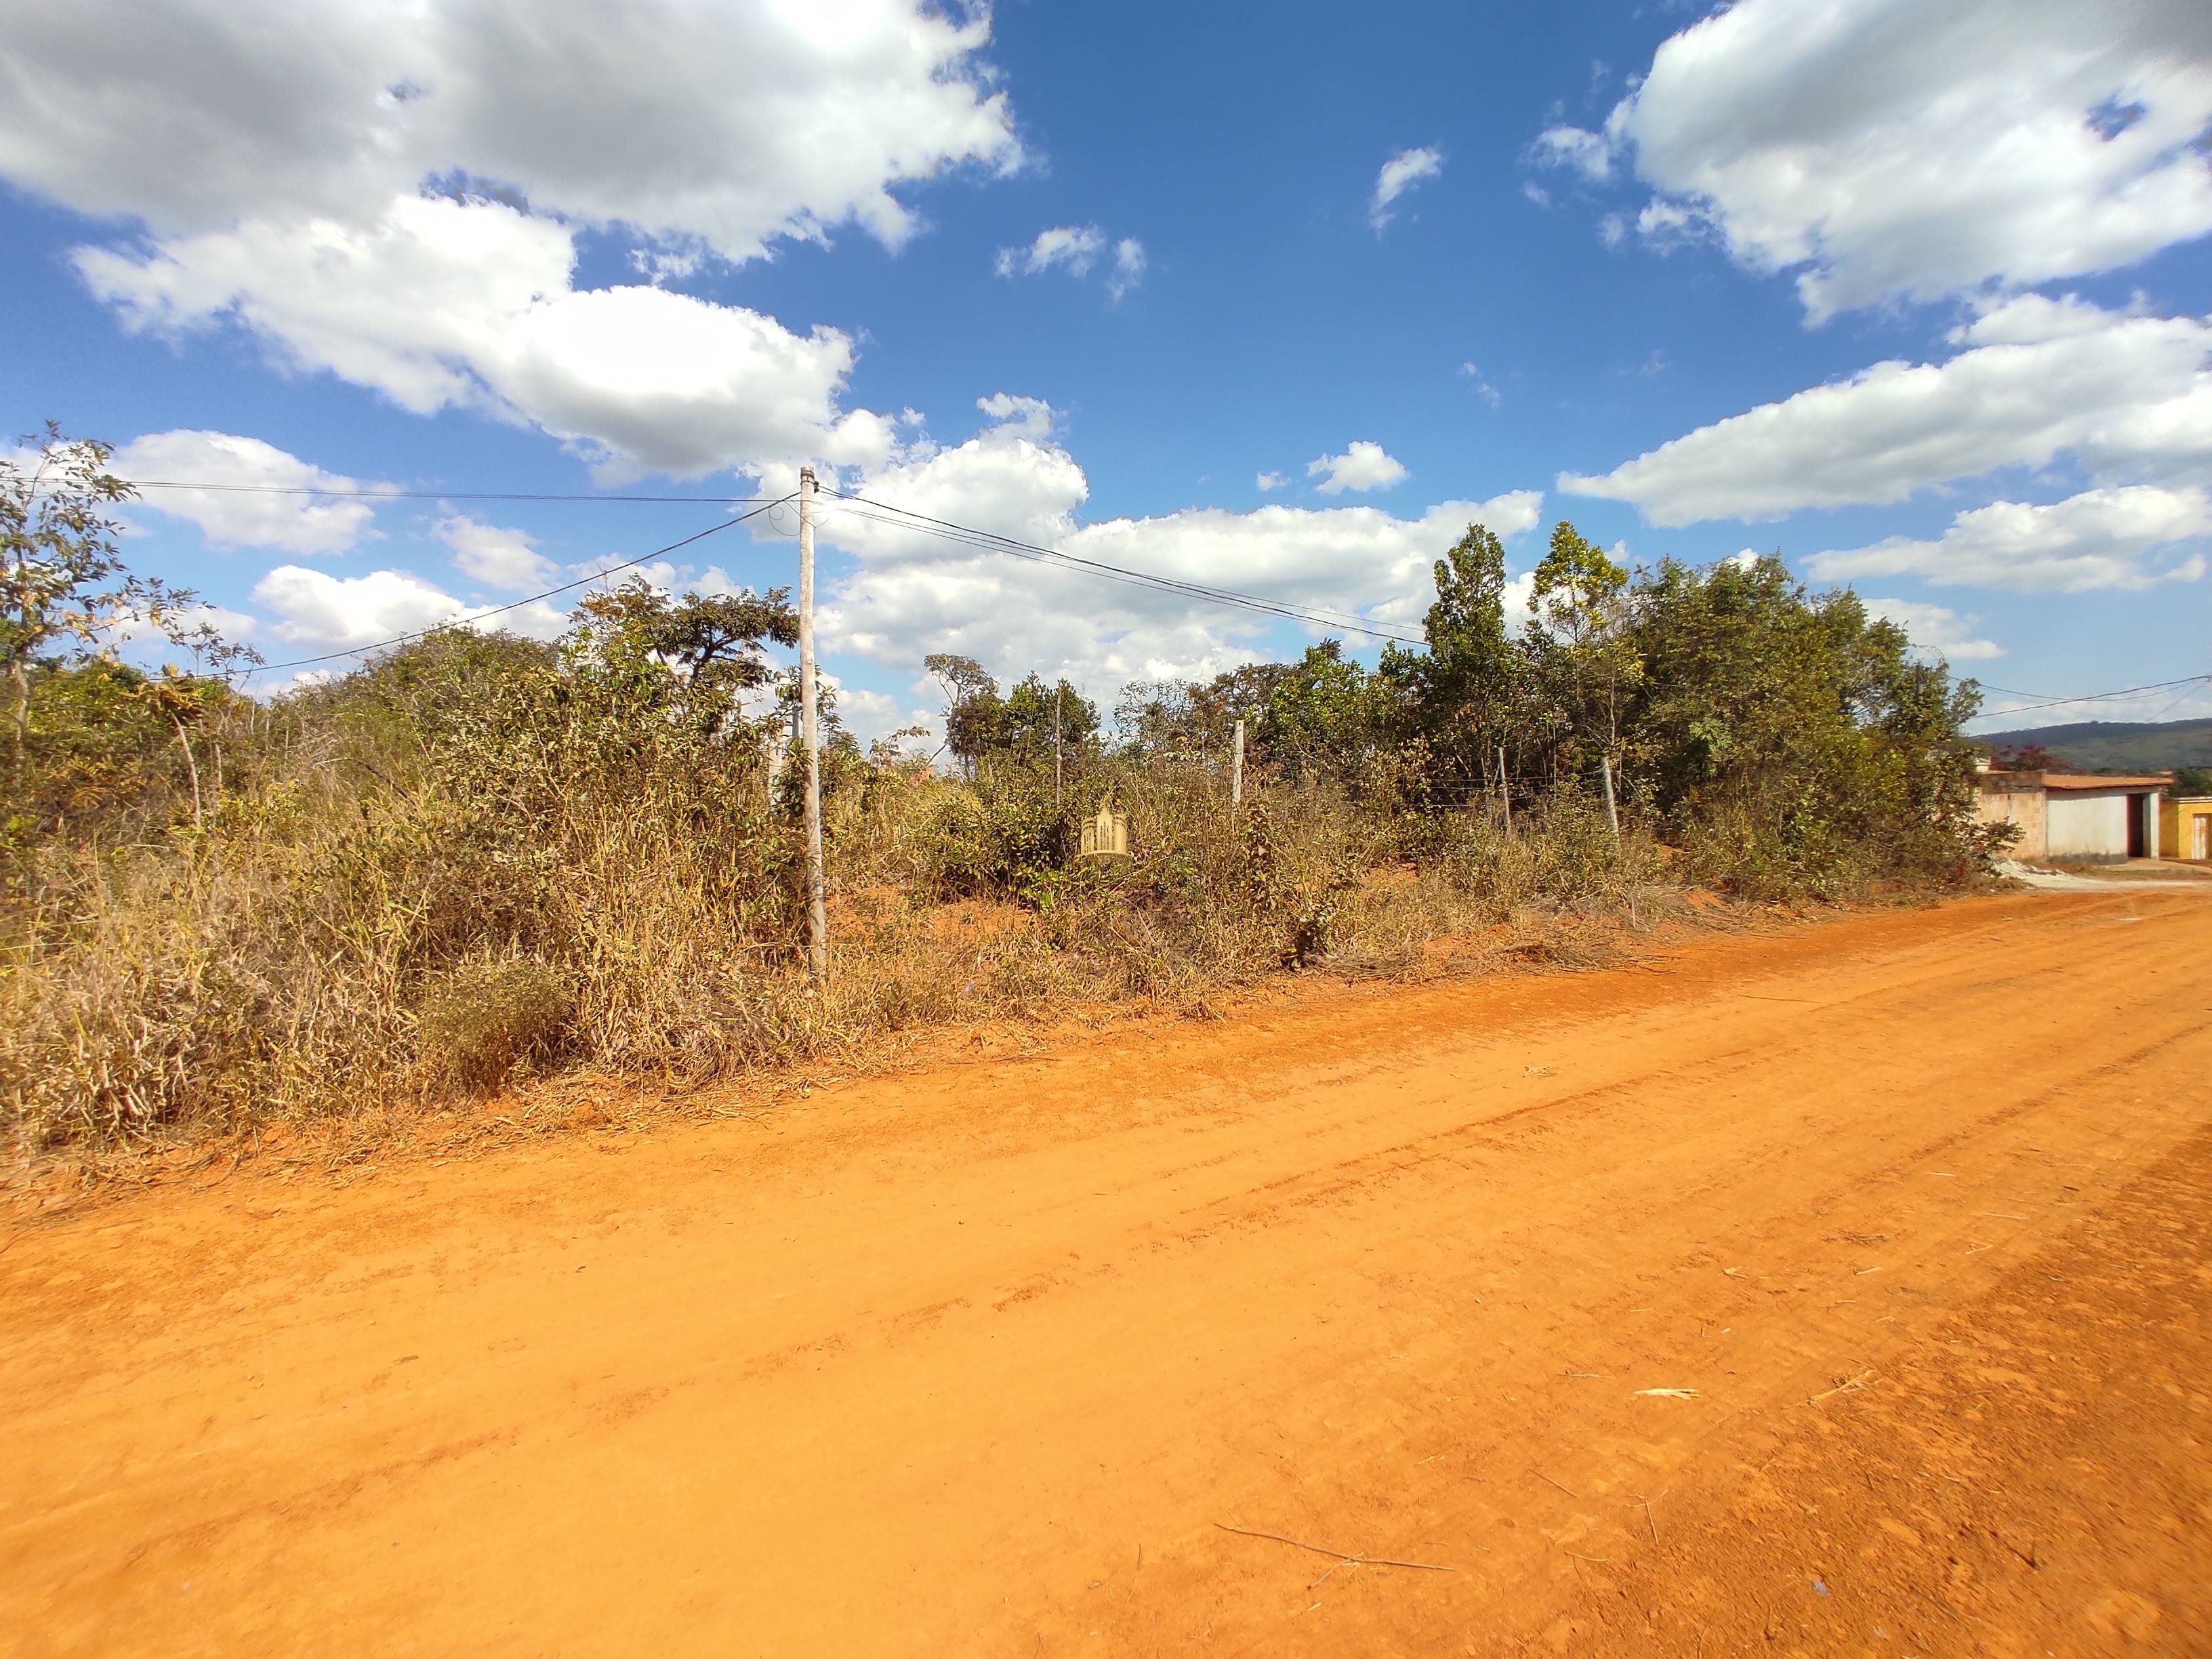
pixel 406 904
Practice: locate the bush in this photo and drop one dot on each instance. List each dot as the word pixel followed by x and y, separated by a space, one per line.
pixel 482 1019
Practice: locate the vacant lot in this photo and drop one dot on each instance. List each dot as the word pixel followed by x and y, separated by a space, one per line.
pixel 1839 1292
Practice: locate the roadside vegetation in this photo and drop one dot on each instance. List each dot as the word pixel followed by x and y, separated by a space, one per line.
pixel 478 858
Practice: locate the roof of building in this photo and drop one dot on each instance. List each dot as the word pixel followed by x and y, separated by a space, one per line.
pixel 2093 780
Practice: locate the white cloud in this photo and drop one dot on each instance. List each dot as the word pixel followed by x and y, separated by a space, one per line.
pixel 2127 396
pixel 1128 266
pixel 730 124
pixel 1268 481
pixel 1481 386
pixel 504 559
pixel 1923 148
pixel 243 515
pixel 2101 539
pixel 1932 628
pixel 1076 246
pixel 395 196
pixel 1362 466
pixel 444 304
pixel 915 594
pixel 1577 149
pixel 1399 174
pixel 317 611
pixel 1032 417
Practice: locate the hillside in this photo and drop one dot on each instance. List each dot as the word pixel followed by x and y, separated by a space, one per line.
pixel 2117 745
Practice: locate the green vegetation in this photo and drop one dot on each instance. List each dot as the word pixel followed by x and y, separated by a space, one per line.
pixel 479 858
pixel 2118 746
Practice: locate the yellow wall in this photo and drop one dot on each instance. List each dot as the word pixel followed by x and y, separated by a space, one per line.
pixel 2177 826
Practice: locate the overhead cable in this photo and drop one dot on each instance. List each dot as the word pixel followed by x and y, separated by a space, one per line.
pixel 381 494
pixel 2094 697
pixel 990 541
pixel 499 610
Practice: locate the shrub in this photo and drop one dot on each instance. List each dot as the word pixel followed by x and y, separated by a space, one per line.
pixel 481 1020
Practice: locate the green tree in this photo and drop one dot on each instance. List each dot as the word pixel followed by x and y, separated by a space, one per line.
pixel 1793 742
pixel 975 714
pixel 698 654
pixel 1579 641
pixel 63 587
pixel 1038 717
pixel 1330 716
pixel 1467 685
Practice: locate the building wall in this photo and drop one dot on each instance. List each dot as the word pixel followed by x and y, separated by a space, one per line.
pixel 2086 826
pixel 2023 807
pixel 2178 829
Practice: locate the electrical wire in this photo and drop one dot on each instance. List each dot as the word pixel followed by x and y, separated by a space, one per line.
pixel 990 541
pixel 897 517
pixel 2094 697
pixel 441 494
pixel 581 581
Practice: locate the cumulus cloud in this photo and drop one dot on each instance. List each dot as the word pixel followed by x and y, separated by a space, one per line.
pixel 206 113
pixel 915 593
pixel 1922 148
pixel 1031 417
pixel 2101 538
pixel 446 304
pixel 1932 628
pixel 317 611
pixel 2127 397
pixel 1362 466
pixel 396 197
pixel 248 513
pixel 1269 481
pixel 1399 174
pixel 504 559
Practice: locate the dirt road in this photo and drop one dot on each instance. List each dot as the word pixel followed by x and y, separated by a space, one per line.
pixel 1749 1295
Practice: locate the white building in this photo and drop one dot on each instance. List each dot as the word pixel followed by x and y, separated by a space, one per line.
pixel 2076 818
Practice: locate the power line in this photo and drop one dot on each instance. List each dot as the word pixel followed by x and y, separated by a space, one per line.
pixel 440 494
pixel 581 581
pixel 990 541
pixel 2094 697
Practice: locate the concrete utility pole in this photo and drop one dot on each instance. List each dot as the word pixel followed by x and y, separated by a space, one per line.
pixel 817 915
pixel 1613 815
pixel 1058 692
pixel 1237 769
pixel 1505 793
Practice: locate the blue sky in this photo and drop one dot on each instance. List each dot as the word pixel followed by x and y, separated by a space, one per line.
pixel 1917 294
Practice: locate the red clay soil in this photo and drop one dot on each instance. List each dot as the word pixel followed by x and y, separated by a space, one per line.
pixel 1841 1292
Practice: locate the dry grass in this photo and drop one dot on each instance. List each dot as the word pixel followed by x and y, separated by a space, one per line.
pixel 361 945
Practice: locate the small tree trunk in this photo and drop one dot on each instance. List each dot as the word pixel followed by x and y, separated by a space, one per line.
pixel 192 767
pixel 19 727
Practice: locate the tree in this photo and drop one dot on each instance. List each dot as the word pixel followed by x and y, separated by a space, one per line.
pixel 1792 742
pixel 1330 715
pixel 1041 719
pixel 1467 684
pixel 64 587
pixel 975 717
pixel 690 658
pixel 1579 639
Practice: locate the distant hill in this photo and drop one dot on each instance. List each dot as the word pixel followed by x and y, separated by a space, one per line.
pixel 2115 745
